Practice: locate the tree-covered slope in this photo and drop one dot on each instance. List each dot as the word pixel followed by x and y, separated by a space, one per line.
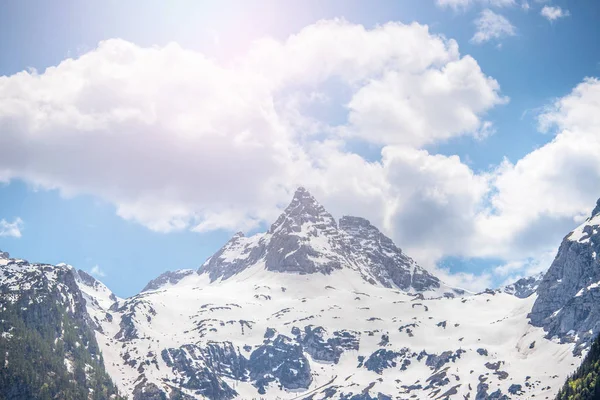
pixel 47 347
pixel 585 382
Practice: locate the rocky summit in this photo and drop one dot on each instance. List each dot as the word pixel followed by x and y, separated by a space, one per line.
pixel 306 239
pixel 316 308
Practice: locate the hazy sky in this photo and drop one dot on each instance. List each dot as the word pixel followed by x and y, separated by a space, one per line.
pixel 136 137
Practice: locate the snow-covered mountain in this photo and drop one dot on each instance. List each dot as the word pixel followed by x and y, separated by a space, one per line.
pixel 568 303
pixel 524 287
pixel 315 309
pixel 320 309
pixel 306 239
pixel 48 347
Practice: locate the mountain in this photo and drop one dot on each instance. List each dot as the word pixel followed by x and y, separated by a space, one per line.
pixel 524 287
pixel 568 303
pixel 316 308
pixel 306 239
pixel 48 348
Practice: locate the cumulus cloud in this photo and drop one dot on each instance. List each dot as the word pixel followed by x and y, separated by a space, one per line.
pixel 546 193
pixel 490 26
pixel 552 13
pixel 175 140
pixel 512 271
pixel 465 280
pixel 434 195
pixel 11 229
pixel 421 109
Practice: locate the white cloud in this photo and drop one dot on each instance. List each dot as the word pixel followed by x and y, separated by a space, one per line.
pixel 552 13
pixel 97 271
pixel 174 139
pixel 11 229
pixel 434 195
pixel 490 26
pixel 177 141
pixel 465 280
pixel 514 270
pixel 420 109
pixel 538 199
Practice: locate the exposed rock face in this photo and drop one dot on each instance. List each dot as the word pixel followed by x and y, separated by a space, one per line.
pixel 148 391
pixel 436 361
pixel 329 350
pixel 596 210
pixel 383 359
pixel 306 239
pixel 235 256
pixel 282 361
pixel 568 305
pixel 524 287
pixel 389 265
pixel 202 369
pixel 171 277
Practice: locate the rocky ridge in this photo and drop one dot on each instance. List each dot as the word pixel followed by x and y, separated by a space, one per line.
pixel 568 303
pixel 524 287
pixel 48 347
pixel 306 239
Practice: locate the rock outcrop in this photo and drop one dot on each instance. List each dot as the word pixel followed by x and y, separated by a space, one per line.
pixel 568 303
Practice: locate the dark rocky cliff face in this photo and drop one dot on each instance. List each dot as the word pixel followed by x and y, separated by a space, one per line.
pixel 568 303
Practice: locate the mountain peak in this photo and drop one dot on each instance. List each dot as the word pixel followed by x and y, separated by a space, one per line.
pixel 304 208
pixel 303 199
pixel 301 191
pixel 306 239
pixel 596 210
pixel 4 255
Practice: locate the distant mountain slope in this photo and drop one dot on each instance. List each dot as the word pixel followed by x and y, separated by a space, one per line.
pixel 48 349
pixel 584 384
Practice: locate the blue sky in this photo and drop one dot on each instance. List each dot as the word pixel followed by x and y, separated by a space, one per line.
pixel 71 203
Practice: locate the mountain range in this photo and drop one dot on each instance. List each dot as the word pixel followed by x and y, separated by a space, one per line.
pixel 313 308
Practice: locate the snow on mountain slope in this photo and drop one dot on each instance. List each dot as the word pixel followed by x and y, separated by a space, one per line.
pixel 272 335
pixel 314 309
pixel 568 305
